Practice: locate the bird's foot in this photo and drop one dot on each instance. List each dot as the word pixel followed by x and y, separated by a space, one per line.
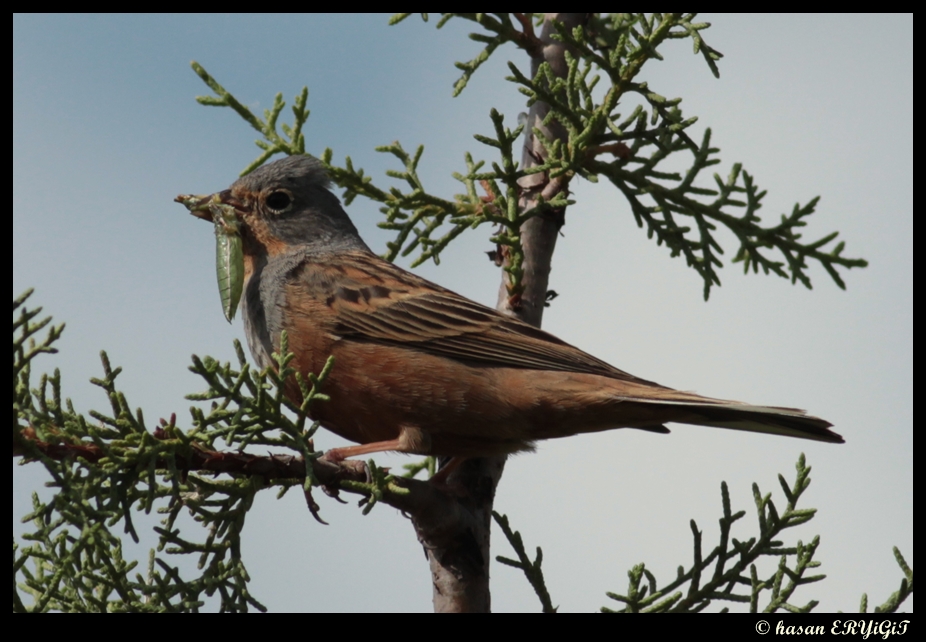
pixel 338 467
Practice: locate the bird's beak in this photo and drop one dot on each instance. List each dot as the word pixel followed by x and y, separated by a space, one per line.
pixel 222 209
pixel 208 207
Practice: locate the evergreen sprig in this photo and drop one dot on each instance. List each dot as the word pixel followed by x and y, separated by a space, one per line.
pixel 532 570
pixel 735 575
pixel 897 598
pixel 106 466
pixel 292 140
pixel 676 208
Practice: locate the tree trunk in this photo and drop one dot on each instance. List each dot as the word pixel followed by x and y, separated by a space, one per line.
pixel 459 555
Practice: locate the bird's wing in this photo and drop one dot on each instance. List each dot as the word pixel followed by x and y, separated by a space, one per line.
pixel 374 300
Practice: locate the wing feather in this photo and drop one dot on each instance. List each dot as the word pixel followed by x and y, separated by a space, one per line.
pixel 404 309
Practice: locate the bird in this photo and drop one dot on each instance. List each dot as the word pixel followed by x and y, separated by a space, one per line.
pixel 418 368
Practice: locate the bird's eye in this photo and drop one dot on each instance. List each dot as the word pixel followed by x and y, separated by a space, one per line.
pixel 279 201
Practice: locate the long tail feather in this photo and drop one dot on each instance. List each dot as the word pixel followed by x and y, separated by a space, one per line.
pixel 739 416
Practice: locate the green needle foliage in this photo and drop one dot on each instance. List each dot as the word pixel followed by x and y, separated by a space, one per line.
pixel 897 597
pixel 532 570
pixel 617 128
pixel 107 466
pixel 734 561
pixel 730 572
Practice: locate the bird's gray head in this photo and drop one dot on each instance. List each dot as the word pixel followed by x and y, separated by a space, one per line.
pixel 287 204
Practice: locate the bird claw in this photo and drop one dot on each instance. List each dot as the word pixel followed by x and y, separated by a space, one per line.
pixel 333 492
pixel 334 457
pixel 313 506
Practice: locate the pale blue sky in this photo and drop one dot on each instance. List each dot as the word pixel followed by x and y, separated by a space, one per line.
pixel 106 133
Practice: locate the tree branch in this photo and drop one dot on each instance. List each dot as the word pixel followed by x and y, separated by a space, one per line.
pixel 459 556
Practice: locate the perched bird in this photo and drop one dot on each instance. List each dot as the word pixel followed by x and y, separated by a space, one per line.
pixel 418 368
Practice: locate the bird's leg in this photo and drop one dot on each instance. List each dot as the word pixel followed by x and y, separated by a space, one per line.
pixel 411 439
pixel 337 455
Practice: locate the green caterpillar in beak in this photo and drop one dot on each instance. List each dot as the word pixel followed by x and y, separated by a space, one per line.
pixel 229 257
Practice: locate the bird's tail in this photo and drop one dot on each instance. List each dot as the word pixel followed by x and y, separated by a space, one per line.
pixel 790 422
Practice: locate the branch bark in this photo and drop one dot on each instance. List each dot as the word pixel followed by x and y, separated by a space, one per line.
pixel 459 554
pixel 436 513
